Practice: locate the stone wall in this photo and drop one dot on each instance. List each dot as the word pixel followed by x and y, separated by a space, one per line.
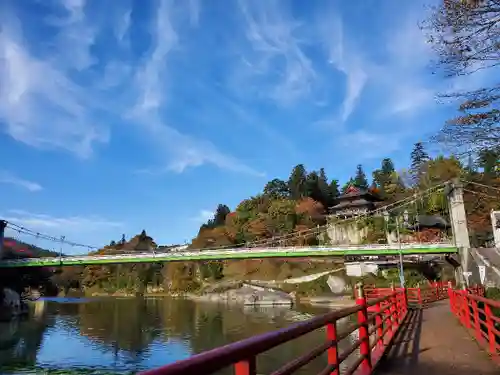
pixel 346 234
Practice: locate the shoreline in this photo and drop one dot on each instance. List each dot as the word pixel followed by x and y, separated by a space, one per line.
pixel 223 298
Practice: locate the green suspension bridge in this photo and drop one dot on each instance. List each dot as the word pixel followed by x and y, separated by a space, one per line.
pixel 276 247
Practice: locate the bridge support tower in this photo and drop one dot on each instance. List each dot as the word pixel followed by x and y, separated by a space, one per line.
pixel 495 222
pixel 3 225
pixel 458 222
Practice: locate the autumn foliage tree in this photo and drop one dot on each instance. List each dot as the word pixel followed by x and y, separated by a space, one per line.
pixel 465 34
pixel 292 213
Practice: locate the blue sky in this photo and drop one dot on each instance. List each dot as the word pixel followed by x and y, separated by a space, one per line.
pixel 121 115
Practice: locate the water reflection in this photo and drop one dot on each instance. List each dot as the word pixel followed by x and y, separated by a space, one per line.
pixel 128 335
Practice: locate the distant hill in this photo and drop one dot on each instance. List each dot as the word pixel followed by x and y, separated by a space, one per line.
pixel 139 243
pixel 18 249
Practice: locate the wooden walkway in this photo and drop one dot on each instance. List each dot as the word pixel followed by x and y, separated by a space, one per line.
pixel 432 342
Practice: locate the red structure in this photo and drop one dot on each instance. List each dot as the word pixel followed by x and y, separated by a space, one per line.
pixel 476 314
pixel 378 315
pixel 376 332
pixel 416 297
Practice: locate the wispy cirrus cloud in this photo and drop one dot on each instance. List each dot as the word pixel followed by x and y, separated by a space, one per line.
pixel 203 216
pixel 345 57
pixel 275 63
pixel 34 227
pixel 182 151
pixel 57 97
pixel 9 178
pixel 45 222
pixel 39 104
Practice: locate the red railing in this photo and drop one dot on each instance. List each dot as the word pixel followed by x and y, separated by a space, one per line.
pixel 376 332
pixel 417 297
pixel 481 316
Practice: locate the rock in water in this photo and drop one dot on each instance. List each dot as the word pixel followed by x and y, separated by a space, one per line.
pixel 248 295
pixel 336 284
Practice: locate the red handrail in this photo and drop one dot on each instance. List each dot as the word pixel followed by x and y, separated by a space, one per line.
pixel 415 296
pixel 477 314
pixel 376 332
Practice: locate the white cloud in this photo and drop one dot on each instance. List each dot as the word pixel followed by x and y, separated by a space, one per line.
pixel 276 53
pixel 182 151
pixel 9 178
pixel 406 75
pixel 39 104
pixel 344 57
pixel 123 22
pixel 85 230
pixel 76 36
pixel 57 225
pixel 203 216
pixel 44 103
pixel 370 144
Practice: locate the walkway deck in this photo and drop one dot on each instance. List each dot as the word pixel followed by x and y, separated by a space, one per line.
pixel 433 342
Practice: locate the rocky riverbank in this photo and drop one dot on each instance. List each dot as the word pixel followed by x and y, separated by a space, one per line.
pixel 237 292
pixel 11 305
pixel 249 295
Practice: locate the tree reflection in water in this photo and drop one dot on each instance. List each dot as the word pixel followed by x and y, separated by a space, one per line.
pixel 134 334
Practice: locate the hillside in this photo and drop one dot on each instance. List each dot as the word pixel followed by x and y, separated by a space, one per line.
pixel 283 207
pixel 16 248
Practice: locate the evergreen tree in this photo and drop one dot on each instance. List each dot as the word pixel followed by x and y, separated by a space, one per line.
pixel 277 189
pixel 112 243
pixel 312 187
pixel 123 240
pixel 220 215
pixel 419 158
pixel 383 177
pixel 349 183
pixel 323 187
pixel 360 180
pixel 470 170
pixel 297 182
pixel 333 190
pixel 489 161
pixel 387 167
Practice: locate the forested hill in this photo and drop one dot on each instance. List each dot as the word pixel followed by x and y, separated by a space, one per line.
pixel 16 248
pixel 302 201
pixel 286 206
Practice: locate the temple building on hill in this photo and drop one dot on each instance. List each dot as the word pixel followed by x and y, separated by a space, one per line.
pixel 355 201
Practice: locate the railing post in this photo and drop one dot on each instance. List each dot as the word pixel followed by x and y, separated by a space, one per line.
pixel 364 346
pixel 393 308
pixel 477 324
pixel 490 326
pixel 247 367
pixel 380 323
pixel 467 316
pixel 405 299
pixel 332 352
pixel 451 297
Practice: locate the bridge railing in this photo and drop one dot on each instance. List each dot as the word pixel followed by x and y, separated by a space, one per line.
pixel 417 297
pixel 375 334
pixel 481 316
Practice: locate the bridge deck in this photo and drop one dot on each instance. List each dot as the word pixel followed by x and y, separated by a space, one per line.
pixel 433 342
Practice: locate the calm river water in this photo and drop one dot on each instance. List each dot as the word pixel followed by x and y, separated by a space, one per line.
pixel 123 336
